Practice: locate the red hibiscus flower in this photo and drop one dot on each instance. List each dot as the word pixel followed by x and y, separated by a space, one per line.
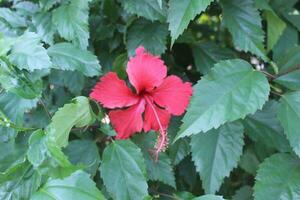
pixel 156 97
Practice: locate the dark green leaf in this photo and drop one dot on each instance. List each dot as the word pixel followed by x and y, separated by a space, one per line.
pixel 229 92
pixel 278 177
pixel 264 127
pixel 151 35
pixel 244 23
pixel 182 12
pixel 216 152
pixel 150 9
pixel 125 161
pixel 65 56
pixel 71 21
pixel 290 80
pixel 207 54
pixel 244 193
pixel 85 153
pixel 289 116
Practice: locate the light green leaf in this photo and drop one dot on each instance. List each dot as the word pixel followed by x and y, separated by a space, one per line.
pixel 179 150
pixel 78 186
pixel 244 23
pixel 85 153
pixel 209 197
pixel 264 127
pixel 66 56
pixel 151 35
pixel 12 18
pixel 78 113
pixel 150 9
pixel 290 80
pixel 182 12
pixel 216 152
pixel 278 177
pixel 44 26
pixel 229 92
pixel 71 21
pixel 28 53
pixel 206 54
pixel 289 116
pixel 125 161
pixel 275 27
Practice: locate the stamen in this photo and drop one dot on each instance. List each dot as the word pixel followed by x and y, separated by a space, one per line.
pixel 162 139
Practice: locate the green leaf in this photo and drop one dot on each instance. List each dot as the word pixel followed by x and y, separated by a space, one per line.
pixel 229 92
pixel 47 157
pixel 216 152
pixel 278 177
pixel 66 56
pixel 85 153
pixel 249 161
pixel 73 80
pixel 151 35
pixel 28 53
pixel 209 197
pixel 244 23
pixel 71 21
pixel 287 40
pixel 290 80
pixel 206 54
pixel 78 113
pixel 19 182
pixel 12 18
pixel 125 161
pixel 289 116
pixel 275 28
pixel 290 59
pixel 48 4
pixel 264 127
pixel 14 108
pixel 12 153
pixel 182 12
pixel 12 80
pixel 78 186
pixel 44 26
pixel 179 150
pixel 150 9
pixel 244 193
pixel 160 170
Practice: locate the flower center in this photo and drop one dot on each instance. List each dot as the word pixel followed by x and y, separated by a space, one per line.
pixel 162 140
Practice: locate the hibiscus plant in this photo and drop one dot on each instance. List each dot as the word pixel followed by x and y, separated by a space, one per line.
pixel 149 99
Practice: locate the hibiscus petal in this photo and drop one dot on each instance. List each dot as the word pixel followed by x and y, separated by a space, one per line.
pixel 145 71
pixel 173 94
pixel 113 92
pixel 129 121
pixel 151 119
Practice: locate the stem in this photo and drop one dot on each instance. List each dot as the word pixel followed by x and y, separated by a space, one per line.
pixel 45 108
